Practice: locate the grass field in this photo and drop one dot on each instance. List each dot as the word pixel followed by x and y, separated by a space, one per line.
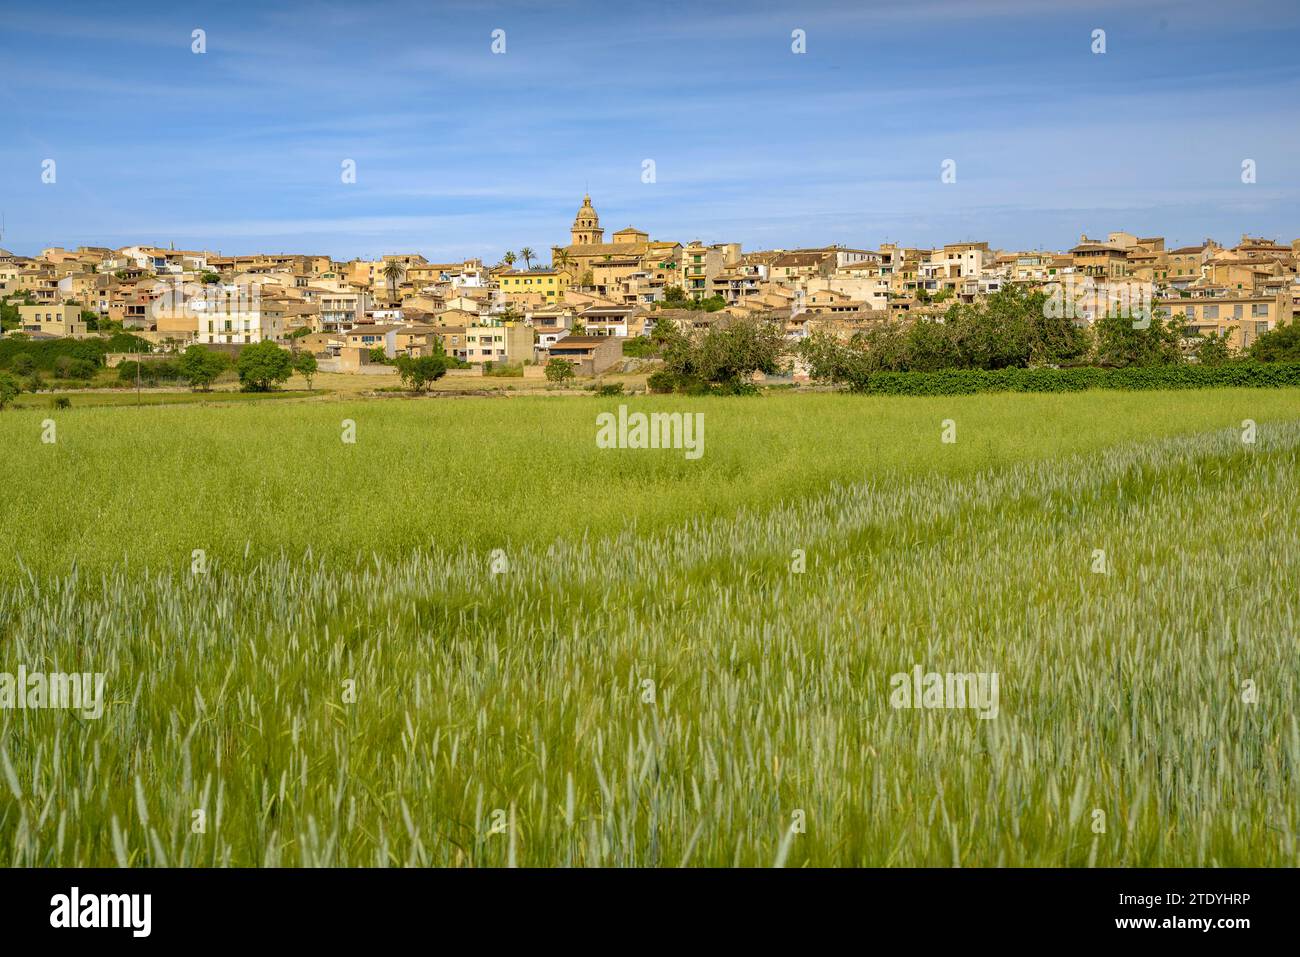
pixel 644 673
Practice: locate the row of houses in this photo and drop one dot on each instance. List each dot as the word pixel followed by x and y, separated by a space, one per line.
pixel 593 289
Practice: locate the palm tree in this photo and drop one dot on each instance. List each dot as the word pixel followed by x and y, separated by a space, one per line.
pixel 562 259
pixel 508 258
pixel 527 254
pixel 392 271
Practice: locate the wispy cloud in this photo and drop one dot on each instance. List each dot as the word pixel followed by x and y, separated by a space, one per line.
pixel 461 149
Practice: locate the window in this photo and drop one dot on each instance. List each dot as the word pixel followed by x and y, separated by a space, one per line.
pixel 1236 312
pixel 1211 312
pixel 1259 309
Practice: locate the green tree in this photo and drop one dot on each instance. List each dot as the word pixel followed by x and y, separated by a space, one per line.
pixel 304 363
pixel 931 346
pixel 559 370
pixel 561 259
pixel 419 372
pixel 664 331
pixel 263 365
pixel 9 389
pixel 509 258
pixel 1126 341
pixel 201 367
pixel 527 255
pixel 726 356
pixel 675 298
pixel 23 364
pixel 1281 344
pixel 209 278
pixel 1215 348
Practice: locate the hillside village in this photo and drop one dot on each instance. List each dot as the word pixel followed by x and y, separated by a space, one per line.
pixel 597 292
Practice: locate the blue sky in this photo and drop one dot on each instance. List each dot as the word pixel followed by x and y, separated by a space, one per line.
pixel 461 152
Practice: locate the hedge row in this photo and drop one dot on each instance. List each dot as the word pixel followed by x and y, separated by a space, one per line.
pixel 46 352
pixel 1255 375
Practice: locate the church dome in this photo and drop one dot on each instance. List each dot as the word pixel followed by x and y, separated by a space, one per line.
pixel 586 214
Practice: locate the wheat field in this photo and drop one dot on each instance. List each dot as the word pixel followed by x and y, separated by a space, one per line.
pixel 474 639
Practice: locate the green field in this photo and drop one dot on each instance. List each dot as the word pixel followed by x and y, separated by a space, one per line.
pixel 118 397
pixel 640 674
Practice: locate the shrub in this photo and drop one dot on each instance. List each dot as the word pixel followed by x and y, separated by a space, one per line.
pixel 66 367
pixel 970 381
pixel 639 347
pixel 45 353
pixel 661 382
pixel 125 342
pixel 608 389
pixel 151 373
pixel 9 389
pixel 61 402
pixel 82 369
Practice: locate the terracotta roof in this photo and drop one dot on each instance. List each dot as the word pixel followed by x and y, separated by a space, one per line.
pixel 586 342
pixel 617 250
pixel 800 259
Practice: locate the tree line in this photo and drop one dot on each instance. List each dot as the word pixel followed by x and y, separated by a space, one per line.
pixel 1013 328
